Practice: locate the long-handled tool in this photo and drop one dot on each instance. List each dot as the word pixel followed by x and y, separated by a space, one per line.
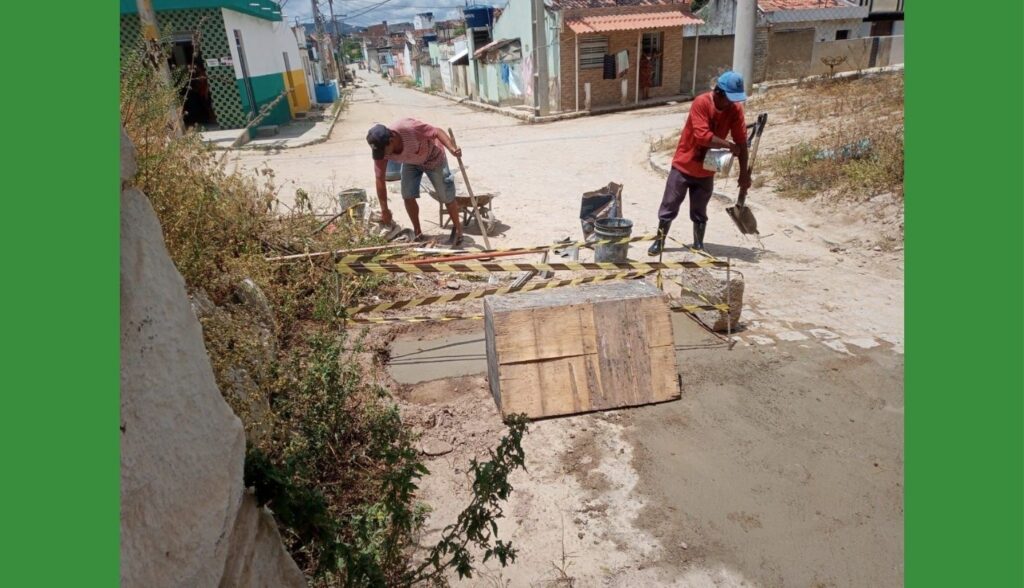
pixel 740 214
pixel 762 120
pixel 476 208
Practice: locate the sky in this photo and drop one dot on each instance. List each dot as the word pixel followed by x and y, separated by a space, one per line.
pixel 368 12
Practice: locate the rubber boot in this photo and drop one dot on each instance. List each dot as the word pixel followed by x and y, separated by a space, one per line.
pixel 659 241
pixel 698 235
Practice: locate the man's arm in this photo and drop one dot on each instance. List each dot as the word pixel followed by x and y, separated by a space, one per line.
pixel 739 135
pixel 447 142
pixel 700 118
pixel 379 169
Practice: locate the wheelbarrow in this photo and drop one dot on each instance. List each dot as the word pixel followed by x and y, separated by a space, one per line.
pixel 485 205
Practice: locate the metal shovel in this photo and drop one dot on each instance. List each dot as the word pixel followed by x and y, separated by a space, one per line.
pixel 742 216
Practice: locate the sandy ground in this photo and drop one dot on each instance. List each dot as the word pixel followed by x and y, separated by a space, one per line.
pixel 782 465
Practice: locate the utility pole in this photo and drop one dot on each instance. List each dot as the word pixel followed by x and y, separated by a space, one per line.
pixel 337 46
pixel 318 21
pixel 540 68
pixel 743 46
pixel 151 35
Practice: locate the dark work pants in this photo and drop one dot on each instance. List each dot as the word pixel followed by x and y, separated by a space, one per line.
pixel 676 187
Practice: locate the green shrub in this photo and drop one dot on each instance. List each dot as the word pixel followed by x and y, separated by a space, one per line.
pixel 326 449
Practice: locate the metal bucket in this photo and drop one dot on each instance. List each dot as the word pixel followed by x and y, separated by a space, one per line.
pixel 354 198
pixel 716 160
pixel 612 228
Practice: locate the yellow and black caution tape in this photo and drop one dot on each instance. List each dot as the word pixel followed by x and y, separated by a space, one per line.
pixel 446 298
pixel 477 267
pixel 412 319
pixel 696 307
pixel 687 308
pixel 701 252
pixel 377 257
pixel 713 306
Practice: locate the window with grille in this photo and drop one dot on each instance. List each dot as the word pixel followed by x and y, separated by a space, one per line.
pixel 592 51
pixel 841 35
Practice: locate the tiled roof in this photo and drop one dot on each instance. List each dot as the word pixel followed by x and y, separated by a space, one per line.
pixel 631 22
pixel 582 4
pixel 777 5
pixel 493 46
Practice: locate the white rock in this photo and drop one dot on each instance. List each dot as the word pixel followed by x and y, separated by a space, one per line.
pixel 182 448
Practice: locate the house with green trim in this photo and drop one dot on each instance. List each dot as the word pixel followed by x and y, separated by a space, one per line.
pixel 243 53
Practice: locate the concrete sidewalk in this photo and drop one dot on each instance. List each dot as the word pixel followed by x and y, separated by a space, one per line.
pixel 315 128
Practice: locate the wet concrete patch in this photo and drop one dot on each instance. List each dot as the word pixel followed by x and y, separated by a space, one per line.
pixel 414 360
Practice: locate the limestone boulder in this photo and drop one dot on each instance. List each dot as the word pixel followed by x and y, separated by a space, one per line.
pixel 186 519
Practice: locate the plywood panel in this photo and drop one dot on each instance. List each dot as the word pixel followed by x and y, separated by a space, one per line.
pixel 580 349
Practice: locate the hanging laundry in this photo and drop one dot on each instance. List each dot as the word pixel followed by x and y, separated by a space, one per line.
pixel 515 82
pixel 621 62
pixel 504 73
pixel 528 77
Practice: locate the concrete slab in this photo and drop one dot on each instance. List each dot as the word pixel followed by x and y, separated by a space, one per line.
pixel 415 360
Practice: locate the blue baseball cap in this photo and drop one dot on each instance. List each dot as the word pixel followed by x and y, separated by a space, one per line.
pixel 731 83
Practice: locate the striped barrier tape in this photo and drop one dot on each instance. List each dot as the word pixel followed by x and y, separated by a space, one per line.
pixel 476 267
pixel 701 252
pixel 370 258
pixel 725 307
pixel 446 298
pixel 687 308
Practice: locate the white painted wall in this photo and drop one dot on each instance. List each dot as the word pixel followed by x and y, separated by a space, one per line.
pixel 265 43
pixel 423 21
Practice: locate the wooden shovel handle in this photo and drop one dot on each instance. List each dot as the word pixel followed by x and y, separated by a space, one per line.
pixel 476 208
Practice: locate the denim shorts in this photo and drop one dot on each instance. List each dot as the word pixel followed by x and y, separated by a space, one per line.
pixel 441 177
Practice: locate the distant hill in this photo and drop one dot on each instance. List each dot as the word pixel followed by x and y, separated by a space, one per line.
pixel 346 29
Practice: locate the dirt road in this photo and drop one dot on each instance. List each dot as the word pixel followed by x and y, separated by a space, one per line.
pixel 783 463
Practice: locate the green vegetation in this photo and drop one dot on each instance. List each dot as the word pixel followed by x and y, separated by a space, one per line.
pixel 326 449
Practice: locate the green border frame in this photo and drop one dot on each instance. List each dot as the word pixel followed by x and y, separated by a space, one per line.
pixel 964 319
pixel 60 411
pixel 965 448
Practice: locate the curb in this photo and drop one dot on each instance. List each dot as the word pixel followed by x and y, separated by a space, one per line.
pixel 657 167
pixel 323 139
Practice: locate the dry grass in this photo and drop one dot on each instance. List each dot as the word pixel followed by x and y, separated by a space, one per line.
pixel 327 436
pixel 858 152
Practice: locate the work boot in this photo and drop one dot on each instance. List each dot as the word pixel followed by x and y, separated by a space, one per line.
pixel 659 241
pixel 698 235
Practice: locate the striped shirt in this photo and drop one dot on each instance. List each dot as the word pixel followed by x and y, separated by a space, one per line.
pixel 420 146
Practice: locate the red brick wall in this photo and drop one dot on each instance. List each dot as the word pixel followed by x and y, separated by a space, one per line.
pixel 609 92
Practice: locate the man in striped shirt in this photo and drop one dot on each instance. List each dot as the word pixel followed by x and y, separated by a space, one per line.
pixel 418 147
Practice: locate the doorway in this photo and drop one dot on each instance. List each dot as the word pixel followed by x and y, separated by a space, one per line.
pixel 652 46
pixel 186 63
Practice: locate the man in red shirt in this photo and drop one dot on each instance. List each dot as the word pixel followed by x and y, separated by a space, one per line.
pixel 713 116
pixel 418 147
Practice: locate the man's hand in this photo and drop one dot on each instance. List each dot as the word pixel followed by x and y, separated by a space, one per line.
pixel 385 216
pixel 734 148
pixel 745 182
pixel 457 152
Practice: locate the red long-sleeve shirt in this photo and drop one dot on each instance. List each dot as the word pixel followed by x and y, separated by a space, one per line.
pixel 704 122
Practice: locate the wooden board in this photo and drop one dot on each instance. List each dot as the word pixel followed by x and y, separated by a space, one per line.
pixel 574 350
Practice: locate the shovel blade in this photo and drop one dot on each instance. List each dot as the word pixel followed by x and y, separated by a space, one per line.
pixel 744 219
